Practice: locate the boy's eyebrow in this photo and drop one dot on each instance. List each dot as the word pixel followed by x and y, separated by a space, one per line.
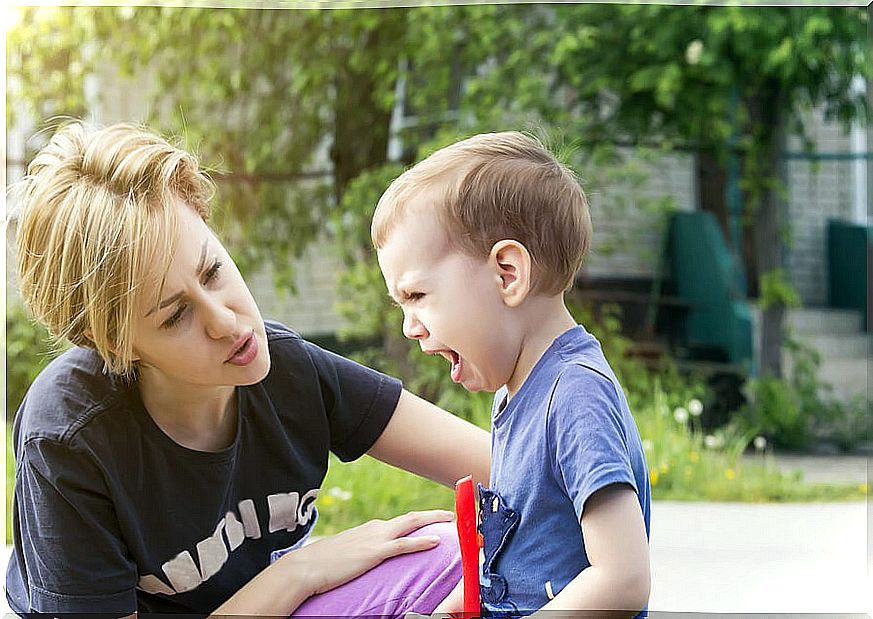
pixel 172 299
pixel 407 281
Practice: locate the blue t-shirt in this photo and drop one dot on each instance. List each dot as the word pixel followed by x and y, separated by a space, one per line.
pixel 565 434
pixel 110 515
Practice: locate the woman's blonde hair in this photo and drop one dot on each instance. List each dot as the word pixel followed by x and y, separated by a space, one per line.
pixel 496 186
pixel 97 221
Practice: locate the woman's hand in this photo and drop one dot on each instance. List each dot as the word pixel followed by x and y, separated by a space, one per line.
pixel 320 566
pixel 333 561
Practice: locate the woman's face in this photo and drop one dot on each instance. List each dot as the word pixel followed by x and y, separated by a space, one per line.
pixel 206 330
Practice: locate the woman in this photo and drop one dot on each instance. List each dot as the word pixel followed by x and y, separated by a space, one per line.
pixel 170 462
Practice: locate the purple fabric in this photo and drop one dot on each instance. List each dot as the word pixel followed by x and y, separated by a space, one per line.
pixel 414 582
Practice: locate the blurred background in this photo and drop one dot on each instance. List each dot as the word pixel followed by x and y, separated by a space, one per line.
pixel 725 150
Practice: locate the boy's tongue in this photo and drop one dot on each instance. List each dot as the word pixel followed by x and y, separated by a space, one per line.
pixel 457 366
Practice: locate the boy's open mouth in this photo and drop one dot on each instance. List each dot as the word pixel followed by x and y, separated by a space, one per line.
pixel 455 359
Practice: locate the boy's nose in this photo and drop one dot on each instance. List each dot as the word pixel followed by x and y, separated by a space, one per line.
pixel 412 328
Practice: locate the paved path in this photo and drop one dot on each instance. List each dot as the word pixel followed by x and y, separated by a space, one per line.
pixel 770 558
pixel 748 558
pixel 821 469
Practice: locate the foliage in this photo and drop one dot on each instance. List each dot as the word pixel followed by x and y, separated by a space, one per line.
pixel 798 410
pixel 29 348
pixel 286 107
pixel 291 110
pixel 691 73
pixel 776 289
pixel 721 81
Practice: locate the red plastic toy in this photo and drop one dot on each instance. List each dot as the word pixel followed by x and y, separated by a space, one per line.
pixel 466 519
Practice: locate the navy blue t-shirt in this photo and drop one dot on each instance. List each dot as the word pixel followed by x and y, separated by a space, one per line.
pixel 110 515
pixel 565 434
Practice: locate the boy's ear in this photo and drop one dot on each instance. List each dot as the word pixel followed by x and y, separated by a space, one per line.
pixel 512 264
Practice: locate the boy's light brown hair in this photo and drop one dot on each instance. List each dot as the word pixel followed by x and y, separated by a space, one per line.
pixel 496 186
pixel 97 224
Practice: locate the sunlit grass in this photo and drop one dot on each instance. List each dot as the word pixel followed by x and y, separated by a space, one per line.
pixel 365 489
pixel 681 467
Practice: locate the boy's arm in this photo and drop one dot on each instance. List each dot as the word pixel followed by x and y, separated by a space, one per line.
pixel 426 440
pixel 615 540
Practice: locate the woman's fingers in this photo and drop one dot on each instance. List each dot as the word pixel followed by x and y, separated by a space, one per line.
pixel 412 521
pixel 406 545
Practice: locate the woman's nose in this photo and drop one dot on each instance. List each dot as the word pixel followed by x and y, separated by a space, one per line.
pixel 220 321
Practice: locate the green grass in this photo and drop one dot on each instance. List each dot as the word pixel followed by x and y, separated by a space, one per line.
pixel 680 466
pixel 358 491
pixel 687 464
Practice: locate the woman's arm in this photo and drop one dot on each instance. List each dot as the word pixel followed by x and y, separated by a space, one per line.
pixel 426 440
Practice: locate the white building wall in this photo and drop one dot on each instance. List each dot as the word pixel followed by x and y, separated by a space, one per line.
pixel 311 309
pixel 818 190
pixel 628 237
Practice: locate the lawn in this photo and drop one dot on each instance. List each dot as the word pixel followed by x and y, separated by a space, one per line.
pixel 355 492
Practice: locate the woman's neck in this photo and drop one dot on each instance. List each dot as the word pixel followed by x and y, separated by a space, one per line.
pixel 198 417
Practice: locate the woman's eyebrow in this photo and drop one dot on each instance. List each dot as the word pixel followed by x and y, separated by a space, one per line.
pixel 172 299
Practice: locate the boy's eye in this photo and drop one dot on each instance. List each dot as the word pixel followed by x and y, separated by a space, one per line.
pixel 415 296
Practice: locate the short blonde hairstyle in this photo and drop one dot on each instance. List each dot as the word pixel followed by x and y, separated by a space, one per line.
pixel 496 186
pixel 97 221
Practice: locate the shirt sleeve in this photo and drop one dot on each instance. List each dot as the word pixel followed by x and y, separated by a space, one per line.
pixel 74 555
pixel 588 436
pixel 360 401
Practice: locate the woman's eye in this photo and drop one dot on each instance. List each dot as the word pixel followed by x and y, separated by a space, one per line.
pixel 176 318
pixel 212 273
pixel 415 296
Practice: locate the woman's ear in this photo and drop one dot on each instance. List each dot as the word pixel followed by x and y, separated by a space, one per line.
pixel 512 264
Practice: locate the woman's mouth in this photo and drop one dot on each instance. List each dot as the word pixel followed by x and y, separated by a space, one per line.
pixel 245 350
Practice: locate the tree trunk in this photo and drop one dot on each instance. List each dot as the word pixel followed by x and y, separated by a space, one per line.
pixel 361 121
pixel 712 189
pixel 762 168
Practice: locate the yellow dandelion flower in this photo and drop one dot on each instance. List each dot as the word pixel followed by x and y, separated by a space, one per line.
pixel 730 474
pixel 694 456
pixel 653 477
pixel 864 489
pixel 327 500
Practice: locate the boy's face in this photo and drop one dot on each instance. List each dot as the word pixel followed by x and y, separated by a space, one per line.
pixel 451 302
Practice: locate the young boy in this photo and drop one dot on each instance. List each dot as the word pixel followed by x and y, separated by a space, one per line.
pixel 477 244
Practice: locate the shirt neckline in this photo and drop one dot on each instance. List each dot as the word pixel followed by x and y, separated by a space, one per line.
pixel 167 442
pixel 505 404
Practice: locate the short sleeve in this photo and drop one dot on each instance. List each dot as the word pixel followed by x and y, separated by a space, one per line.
pixel 588 435
pixel 360 401
pixel 75 560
